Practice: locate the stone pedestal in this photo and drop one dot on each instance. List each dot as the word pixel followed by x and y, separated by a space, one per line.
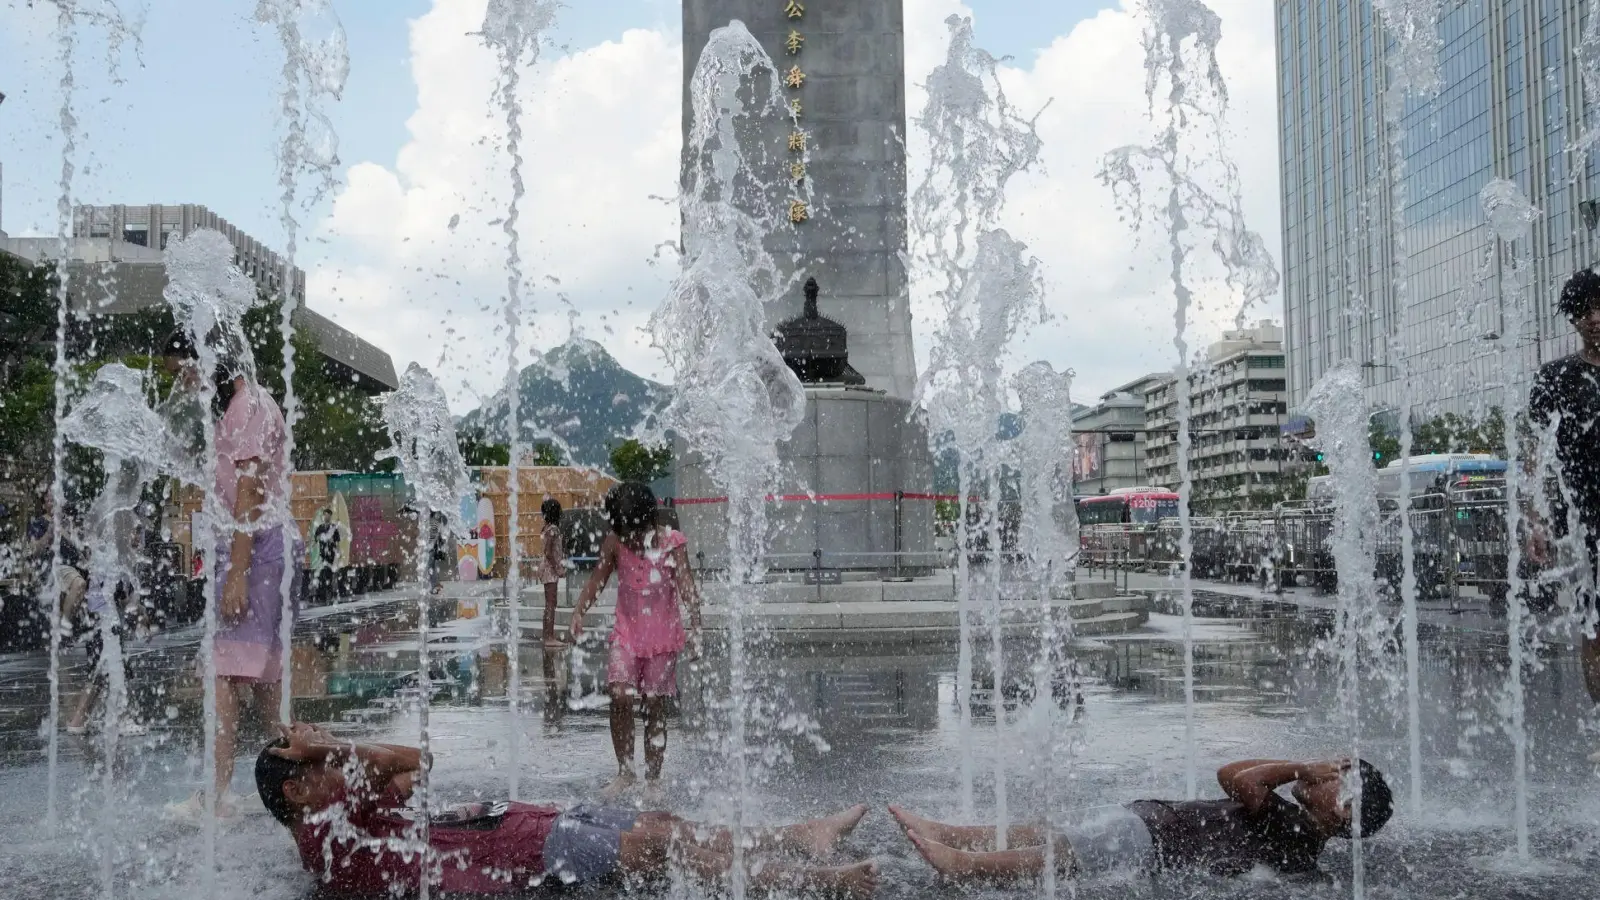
pixel 854 450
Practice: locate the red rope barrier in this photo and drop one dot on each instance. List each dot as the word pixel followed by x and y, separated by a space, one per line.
pixel 823 498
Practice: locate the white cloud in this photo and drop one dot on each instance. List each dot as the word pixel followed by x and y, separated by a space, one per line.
pixel 1107 287
pixel 601 136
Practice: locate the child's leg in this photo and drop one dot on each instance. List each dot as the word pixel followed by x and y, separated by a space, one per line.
pixel 549 612
pixel 647 851
pixel 814 838
pixel 622 696
pixel 966 837
pixel 1001 865
pixel 658 680
pixel 655 736
pixel 268 697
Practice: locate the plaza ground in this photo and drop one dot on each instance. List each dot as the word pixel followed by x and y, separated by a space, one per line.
pixel 863 722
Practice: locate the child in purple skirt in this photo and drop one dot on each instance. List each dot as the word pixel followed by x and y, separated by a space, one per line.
pixel 252 545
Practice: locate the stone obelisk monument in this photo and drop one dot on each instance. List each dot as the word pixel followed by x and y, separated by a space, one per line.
pixel 855 493
pixel 843 62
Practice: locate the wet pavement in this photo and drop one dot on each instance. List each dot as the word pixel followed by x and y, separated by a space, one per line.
pixel 874 724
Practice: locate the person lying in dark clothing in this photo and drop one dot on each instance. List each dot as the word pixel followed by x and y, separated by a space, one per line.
pixel 1253 826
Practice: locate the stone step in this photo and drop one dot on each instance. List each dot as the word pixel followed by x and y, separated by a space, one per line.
pixel 532 616
pixel 905 621
pixel 930 589
pixel 1110 623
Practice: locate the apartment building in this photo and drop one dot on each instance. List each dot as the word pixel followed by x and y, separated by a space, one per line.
pixel 1239 402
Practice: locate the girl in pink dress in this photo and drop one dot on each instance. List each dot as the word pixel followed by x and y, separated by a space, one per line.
pixel 648 634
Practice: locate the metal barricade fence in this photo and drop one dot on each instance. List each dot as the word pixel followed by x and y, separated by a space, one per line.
pixel 1303 555
pixel 1480 540
pixel 1459 540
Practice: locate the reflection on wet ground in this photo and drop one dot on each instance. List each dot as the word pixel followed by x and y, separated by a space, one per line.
pixel 876 724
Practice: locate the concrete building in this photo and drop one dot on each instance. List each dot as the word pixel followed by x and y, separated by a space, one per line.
pixel 1110 438
pixel 1239 402
pixel 151 226
pixel 115 266
pixel 852 56
pixel 1509 105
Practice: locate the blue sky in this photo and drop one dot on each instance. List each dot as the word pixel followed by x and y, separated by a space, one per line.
pixel 193 120
pixel 207 76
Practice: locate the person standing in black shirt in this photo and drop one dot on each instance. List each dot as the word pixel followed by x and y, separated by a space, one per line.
pixel 1566 396
pixel 327 537
pixel 1253 826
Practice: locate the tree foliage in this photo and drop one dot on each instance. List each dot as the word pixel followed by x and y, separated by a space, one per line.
pixel 1452 433
pixel 548 454
pixel 1385 445
pixel 478 450
pixel 1447 433
pixel 634 460
pixel 339 426
pixel 27 354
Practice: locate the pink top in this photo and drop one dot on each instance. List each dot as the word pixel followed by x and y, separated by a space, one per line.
pixel 253 429
pixel 648 622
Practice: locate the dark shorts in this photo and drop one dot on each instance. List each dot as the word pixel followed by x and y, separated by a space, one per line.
pixel 586 842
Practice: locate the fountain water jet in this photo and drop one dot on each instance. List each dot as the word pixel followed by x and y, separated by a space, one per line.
pixel 425 448
pixel 1180 43
pixel 208 296
pixel 119 29
pixel 1047 535
pixel 68 123
pixel 985 284
pixel 1414 71
pixel 309 143
pixel 734 398
pixel 1511 218
pixel 1338 402
pixel 513 29
pixel 137 446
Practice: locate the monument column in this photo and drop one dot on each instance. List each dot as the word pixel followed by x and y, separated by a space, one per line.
pixel 851 54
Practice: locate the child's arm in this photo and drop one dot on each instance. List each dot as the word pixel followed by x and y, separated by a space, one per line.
pixel 596 584
pixel 379 762
pixel 689 594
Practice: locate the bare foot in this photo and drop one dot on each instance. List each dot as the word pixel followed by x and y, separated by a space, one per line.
pixel 653 797
pixel 912 823
pixel 818 836
pixel 857 882
pixel 620 785
pixel 947 861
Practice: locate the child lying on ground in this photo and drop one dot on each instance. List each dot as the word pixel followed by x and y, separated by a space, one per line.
pixel 1253 826
pixel 346 806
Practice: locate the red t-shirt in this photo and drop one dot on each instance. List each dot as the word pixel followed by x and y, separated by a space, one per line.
pixel 369 846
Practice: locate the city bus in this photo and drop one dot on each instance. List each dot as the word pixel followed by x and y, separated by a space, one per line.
pixel 1128 506
pixel 1436 473
pixel 1431 473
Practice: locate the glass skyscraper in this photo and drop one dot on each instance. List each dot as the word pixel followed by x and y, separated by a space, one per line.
pixel 1509 105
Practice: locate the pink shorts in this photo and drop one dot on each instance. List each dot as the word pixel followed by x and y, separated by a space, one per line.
pixel 652 676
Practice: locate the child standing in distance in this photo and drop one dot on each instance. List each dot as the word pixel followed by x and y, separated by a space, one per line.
pixel 552 565
pixel 648 634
